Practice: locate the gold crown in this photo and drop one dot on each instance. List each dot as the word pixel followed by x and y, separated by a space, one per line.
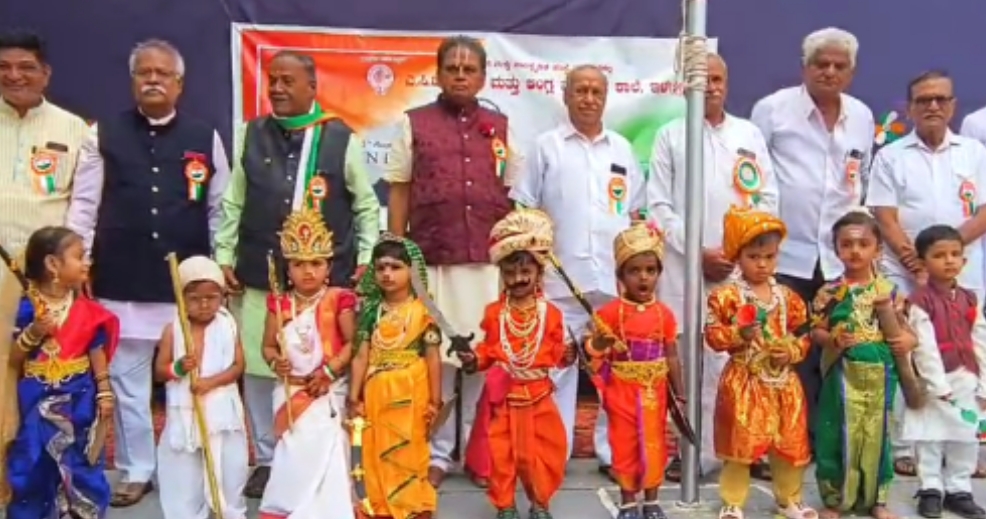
pixel 638 238
pixel 306 237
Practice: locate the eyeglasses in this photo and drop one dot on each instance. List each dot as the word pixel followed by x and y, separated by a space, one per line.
pixel 925 101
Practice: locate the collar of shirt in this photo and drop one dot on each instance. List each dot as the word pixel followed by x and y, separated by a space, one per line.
pixel 159 122
pixel 568 131
pixel 9 111
pixel 809 107
pixel 723 125
pixel 911 140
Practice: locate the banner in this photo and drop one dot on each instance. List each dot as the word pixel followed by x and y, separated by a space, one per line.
pixel 369 78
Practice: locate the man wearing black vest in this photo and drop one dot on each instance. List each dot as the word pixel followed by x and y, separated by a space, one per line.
pixel 149 182
pixel 299 155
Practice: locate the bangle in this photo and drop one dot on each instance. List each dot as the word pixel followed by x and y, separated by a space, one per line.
pixel 24 345
pixel 100 377
pixel 30 338
pixel 105 395
pixel 177 370
pixel 331 374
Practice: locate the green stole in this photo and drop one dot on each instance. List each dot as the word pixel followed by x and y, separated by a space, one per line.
pixel 297 123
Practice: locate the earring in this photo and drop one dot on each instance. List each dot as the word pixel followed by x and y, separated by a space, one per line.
pixel 55 280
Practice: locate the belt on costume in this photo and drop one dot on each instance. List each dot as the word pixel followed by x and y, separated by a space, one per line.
pixel 54 371
pixel 643 373
pixel 529 392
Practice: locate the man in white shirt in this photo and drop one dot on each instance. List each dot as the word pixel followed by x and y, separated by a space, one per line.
pixel 588 180
pixel 820 140
pixel 738 171
pixel 931 176
pixel 149 182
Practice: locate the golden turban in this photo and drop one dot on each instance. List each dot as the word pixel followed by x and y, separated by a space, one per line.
pixel 741 226
pixel 641 237
pixel 528 230
pixel 305 236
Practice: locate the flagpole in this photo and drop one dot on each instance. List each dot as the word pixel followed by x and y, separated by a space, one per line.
pixel 694 65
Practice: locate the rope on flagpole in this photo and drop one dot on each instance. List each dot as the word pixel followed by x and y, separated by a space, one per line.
pixel 691 55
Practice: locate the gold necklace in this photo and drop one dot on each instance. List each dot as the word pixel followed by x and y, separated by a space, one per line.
pixel 523 326
pixel 391 330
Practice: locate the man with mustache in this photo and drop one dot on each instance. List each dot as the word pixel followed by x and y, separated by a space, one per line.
pixel 298 156
pixel 149 183
pixel 448 173
pixel 737 171
pixel 39 142
pixel 587 179
pixel 820 139
pixel 930 176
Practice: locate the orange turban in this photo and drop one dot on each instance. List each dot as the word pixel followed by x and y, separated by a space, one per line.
pixel 741 226
pixel 638 239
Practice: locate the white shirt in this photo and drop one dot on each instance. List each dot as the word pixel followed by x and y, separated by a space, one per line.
pixel 924 185
pixel 974 125
pixel 137 320
pixel 725 146
pixel 811 165
pixel 575 179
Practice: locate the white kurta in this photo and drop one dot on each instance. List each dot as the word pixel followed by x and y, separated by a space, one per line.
pixel 183 480
pixel 724 147
pixel 945 431
pixel 310 473
pixel 940 420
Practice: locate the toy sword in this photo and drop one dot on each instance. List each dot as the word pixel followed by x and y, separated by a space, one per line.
pixel 358 425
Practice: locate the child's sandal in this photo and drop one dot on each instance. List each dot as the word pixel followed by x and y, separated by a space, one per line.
pixel 730 512
pixel 799 511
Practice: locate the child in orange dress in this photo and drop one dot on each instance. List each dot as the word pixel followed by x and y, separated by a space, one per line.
pixel 524 339
pixel 633 368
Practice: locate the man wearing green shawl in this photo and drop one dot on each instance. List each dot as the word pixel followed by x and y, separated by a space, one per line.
pixel 298 155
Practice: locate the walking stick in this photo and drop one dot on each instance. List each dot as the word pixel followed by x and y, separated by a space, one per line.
pixel 186 333
pixel 275 289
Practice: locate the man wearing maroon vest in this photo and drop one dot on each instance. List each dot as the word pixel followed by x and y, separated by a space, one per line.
pixel 449 173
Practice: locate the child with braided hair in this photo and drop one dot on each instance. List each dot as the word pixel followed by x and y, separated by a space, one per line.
pixel 396 382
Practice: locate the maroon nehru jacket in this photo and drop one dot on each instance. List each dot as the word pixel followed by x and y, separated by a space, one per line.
pixel 952 314
pixel 456 194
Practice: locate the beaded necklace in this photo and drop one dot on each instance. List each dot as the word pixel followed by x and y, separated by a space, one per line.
pixel 533 323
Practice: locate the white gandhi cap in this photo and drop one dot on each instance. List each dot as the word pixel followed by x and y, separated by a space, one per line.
pixel 200 268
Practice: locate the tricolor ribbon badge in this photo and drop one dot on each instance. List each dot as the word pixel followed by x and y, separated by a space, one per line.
pixel 44 165
pixel 852 172
pixel 197 173
pixel 967 194
pixel 617 191
pixel 500 154
pixel 748 180
pixel 318 190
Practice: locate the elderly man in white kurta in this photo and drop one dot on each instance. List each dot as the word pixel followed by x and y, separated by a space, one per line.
pixel 588 180
pixel 820 141
pixel 737 171
pixel 931 176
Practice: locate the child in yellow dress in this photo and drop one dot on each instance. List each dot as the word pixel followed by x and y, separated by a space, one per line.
pixel 761 407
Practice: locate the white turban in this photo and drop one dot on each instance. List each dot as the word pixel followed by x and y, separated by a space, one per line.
pixel 200 268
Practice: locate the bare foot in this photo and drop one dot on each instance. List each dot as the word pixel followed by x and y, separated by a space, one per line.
pixel 882 512
pixel 829 513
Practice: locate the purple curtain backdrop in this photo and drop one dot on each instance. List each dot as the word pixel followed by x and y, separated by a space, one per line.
pixel 90 39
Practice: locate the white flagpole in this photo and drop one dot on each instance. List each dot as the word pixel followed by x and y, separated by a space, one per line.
pixel 694 65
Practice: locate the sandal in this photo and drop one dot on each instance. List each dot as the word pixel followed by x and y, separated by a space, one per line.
pixel 673 472
pixel 980 472
pixel 628 512
pixel 508 513
pixel 904 466
pixel 539 513
pixel 129 494
pixel 730 512
pixel 798 511
pixel 653 511
pixel 882 512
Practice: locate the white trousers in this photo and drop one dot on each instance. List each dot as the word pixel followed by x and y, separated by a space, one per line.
pixel 258 394
pixel 183 485
pixel 960 459
pixel 567 380
pixel 444 440
pixel 461 292
pixel 131 378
